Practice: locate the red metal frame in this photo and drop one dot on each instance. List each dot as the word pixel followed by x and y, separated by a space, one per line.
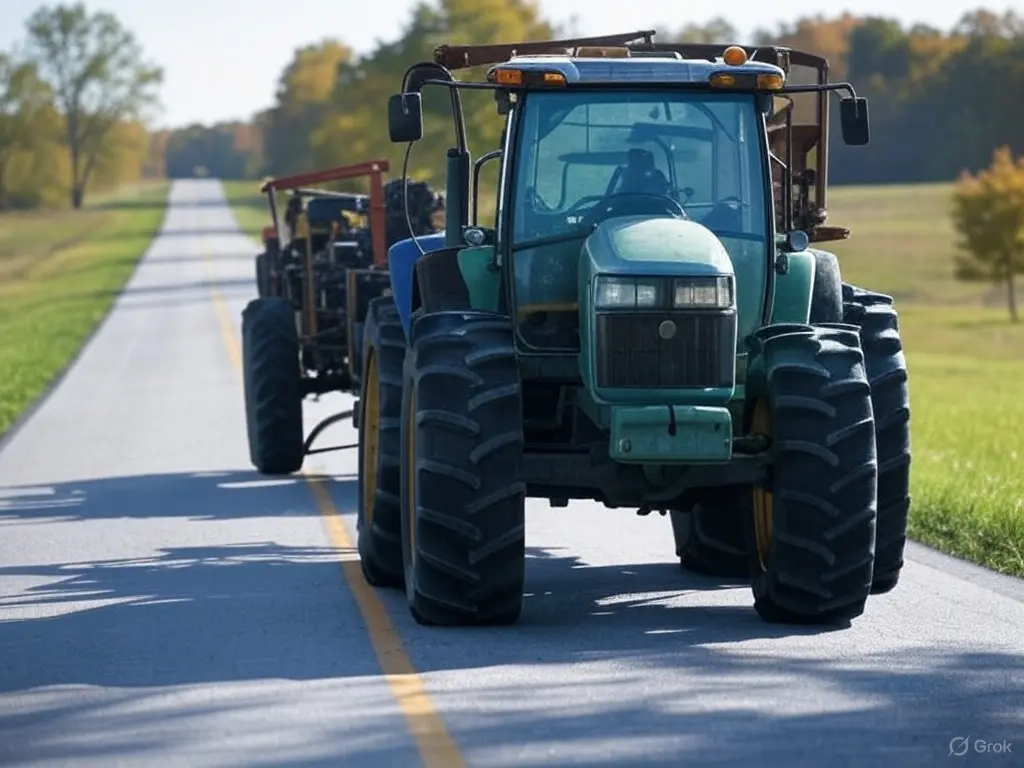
pixel 372 168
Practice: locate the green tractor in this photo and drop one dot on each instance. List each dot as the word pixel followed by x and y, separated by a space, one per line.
pixel 645 325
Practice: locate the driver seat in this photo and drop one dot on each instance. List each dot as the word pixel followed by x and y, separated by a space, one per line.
pixel 640 176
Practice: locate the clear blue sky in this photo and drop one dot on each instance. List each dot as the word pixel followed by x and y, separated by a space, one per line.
pixel 222 57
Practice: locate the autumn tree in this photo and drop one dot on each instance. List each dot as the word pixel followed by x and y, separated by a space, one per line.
pixel 23 97
pixel 96 70
pixel 302 104
pixel 988 212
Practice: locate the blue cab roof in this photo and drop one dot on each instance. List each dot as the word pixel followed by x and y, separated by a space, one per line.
pixel 636 69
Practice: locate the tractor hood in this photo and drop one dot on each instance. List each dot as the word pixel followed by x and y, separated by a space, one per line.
pixel 645 246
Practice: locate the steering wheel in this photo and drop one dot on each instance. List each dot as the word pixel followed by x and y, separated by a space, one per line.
pixel 632 204
pixel 583 201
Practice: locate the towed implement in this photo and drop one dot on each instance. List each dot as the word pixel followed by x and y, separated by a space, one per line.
pixel 315 279
pixel 650 323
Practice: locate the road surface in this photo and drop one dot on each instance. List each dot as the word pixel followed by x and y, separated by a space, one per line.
pixel 160 604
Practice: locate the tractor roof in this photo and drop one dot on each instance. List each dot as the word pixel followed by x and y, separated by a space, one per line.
pixel 637 67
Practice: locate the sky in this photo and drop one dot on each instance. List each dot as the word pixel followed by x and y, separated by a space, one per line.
pixel 222 58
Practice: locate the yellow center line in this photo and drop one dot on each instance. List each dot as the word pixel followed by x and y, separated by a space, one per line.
pixel 435 744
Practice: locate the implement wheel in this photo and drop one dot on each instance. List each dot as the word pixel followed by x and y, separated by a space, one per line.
pixel 463 497
pixel 813 529
pixel 273 386
pixel 379 522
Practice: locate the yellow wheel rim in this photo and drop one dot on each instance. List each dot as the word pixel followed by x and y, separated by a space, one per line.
pixel 764 502
pixel 371 435
pixel 410 473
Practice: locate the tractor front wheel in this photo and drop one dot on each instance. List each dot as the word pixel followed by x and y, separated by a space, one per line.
pixel 379 522
pixel 273 386
pixel 813 526
pixel 463 497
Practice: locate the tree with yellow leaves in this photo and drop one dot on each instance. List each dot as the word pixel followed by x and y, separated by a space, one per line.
pixel 988 212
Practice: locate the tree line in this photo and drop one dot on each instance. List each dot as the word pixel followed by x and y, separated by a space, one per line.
pixel 73 100
pixel 941 101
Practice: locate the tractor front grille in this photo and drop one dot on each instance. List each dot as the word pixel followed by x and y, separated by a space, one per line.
pixel 666 349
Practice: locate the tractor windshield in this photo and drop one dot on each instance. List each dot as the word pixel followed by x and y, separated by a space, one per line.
pixel 688 153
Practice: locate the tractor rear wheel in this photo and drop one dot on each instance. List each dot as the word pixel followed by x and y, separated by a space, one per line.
pixel 273 386
pixel 710 538
pixel 887 373
pixel 463 497
pixel 813 528
pixel 379 522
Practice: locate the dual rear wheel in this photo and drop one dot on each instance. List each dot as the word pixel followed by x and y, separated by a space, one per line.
pixel 448 523
pixel 714 537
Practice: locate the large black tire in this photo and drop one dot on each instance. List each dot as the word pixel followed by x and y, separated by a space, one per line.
pixel 273 386
pixel 463 497
pixel 817 568
pixel 379 522
pixel 887 373
pixel 711 537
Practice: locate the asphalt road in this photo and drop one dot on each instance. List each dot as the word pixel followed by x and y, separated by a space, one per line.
pixel 160 604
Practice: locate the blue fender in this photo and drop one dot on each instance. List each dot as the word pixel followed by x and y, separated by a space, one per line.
pixel 402 258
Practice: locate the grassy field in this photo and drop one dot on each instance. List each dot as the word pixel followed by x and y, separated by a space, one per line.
pixel 965 360
pixel 59 274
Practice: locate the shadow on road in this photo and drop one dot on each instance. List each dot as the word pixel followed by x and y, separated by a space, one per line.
pixel 634 664
pixel 735 710
pixel 143 292
pixel 182 615
pixel 199 496
pixel 172 232
pixel 178 205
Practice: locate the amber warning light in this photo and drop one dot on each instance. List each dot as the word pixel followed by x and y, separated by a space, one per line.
pixel 515 77
pixel 734 56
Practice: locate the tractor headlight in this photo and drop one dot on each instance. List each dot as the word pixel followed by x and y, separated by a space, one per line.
pixel 630 293
pixel 702 293
pixel 663 293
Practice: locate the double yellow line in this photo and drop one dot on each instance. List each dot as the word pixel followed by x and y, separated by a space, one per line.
pixel 433 741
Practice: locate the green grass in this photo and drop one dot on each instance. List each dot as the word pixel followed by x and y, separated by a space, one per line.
pixel 965 358
pixel 59 275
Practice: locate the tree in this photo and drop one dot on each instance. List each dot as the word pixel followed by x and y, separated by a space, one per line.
pixel 988 212
pixel 302 103
pixel 23 96
pixel 97 72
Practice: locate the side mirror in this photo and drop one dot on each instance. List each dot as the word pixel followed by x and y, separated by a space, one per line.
pixel 405 117
pixel 853 117
pixel 797 241
pixel 477 236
